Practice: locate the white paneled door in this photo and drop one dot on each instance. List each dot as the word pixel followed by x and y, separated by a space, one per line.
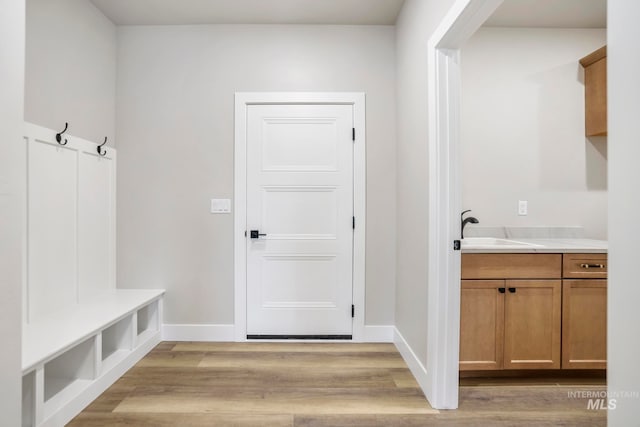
pixel 300 220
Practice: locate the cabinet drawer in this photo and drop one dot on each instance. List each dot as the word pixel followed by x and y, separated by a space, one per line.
pixel 584 266
pixel 511 266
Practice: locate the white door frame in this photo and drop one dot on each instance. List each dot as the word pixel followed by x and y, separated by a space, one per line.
pixel 443 327
pixel 242 101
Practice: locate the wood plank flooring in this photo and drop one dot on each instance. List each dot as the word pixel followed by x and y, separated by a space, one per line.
pixel 315 385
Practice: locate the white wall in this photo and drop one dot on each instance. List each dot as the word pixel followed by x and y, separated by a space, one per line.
pixel 11 112
pixel 623 373
pixel 70 68
pixel 523 130
pixel 416 22
pixel 175 94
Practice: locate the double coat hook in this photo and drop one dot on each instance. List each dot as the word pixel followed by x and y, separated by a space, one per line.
pixel 101 151
pixel 59 135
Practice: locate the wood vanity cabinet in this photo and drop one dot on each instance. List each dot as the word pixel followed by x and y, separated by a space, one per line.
pixel 533 311
pixel 584 311
pixel 595 92
pixel 510 311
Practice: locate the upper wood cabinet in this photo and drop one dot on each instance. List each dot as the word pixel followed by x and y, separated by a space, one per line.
pixel 595 92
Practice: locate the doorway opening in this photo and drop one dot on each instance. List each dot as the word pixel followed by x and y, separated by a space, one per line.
pixel 463 20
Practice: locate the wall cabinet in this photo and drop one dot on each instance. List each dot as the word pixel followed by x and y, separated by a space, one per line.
pixel 595 92
pixel 517 312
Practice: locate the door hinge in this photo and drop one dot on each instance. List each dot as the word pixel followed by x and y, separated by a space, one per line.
pixel 353 310
pixel 353 222
pixel 353 134
pixel 456 245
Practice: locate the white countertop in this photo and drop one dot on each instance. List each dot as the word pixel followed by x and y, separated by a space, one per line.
pixel 548 245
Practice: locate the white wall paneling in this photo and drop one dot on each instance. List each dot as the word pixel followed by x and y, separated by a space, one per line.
pixel 96 222
pixel 70 227
pixel 79 333
pixel 52 250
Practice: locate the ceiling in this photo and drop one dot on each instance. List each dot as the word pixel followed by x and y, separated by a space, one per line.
pixel 550 13
pixel 512 13
pixel 188 12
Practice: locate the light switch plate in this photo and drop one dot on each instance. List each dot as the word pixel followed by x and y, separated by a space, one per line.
pixel 220 205
pixel 523 207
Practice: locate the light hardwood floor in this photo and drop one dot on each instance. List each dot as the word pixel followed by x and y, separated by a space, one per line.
pixel 308 384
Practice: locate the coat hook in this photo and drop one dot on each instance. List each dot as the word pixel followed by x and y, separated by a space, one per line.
pixel 59 135
pixel 101 150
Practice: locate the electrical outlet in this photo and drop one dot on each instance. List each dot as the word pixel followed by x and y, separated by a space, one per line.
pixel 522 207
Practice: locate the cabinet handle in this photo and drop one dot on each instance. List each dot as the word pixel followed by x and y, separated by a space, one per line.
pixel 501 290
pixel 512 290
pixel 592 265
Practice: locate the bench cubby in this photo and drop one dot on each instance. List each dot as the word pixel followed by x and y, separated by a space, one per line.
pixel 71 358
pixel 116 342
pixel 146 321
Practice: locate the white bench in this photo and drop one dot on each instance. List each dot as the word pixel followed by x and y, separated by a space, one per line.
pixel 70 358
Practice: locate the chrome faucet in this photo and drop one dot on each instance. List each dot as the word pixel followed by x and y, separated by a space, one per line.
pixel 465 221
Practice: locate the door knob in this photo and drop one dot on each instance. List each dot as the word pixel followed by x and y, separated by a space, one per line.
pixel 255 234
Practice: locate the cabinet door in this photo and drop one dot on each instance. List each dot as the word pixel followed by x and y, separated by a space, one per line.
pixel 532 324
pixel 595 77
pixel 584 324
pixel 481 324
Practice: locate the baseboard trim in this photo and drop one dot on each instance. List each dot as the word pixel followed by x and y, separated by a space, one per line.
pixel 225 333
pixel 415 365
pixel 210 333
pixel 378 333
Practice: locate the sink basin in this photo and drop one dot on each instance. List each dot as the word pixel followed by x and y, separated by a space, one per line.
pixel 492 242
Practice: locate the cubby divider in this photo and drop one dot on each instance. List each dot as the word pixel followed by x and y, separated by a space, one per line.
pixel 117 342
pixel 147 322
pixel 29 399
